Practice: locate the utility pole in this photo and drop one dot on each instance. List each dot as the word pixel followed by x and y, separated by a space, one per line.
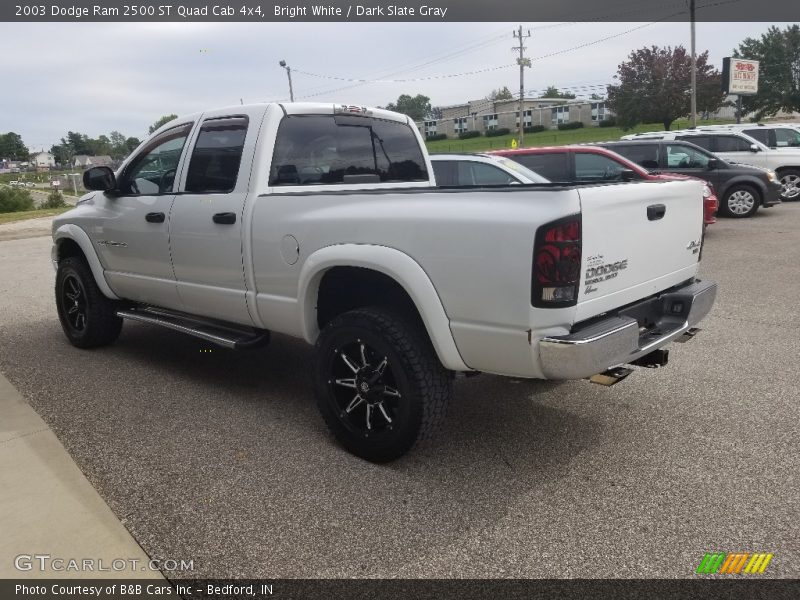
pixel 694 69
pixel 288 74
pixel 522 62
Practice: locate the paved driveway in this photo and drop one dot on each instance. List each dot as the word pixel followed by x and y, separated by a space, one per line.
pixel 221 457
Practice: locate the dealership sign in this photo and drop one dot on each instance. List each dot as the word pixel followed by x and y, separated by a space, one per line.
pixel 739 76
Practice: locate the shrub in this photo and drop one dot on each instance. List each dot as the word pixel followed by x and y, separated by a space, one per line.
pixel 469 134
pixel 498 132
pixel 570 125
pixel 55 199
pixel 534 129
pixel 608 123
pixel 436 137
pixel 15 200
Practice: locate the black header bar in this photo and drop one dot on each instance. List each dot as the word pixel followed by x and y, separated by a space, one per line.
pixel 446 11
pixel 398 589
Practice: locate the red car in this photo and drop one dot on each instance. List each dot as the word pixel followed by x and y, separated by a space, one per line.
pixel 590 163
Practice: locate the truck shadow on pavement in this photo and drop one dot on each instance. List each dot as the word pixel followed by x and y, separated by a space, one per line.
pixel 221 456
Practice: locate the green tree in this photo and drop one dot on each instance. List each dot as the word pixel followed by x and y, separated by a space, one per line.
pixel 502 93
pixel 162 121
pixel 55 199
pixel 778 53
pixel 553 92
pixel 654 86
pixel 12 147
pixel 417 107
pixel 15 200
pixel 131 143
pixel 119 148
pixel 62 153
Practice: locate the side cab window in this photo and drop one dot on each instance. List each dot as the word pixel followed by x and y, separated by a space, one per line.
pixel 217 154
pixel 152 171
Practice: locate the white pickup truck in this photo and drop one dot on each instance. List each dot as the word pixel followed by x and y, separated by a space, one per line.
pixel 324 222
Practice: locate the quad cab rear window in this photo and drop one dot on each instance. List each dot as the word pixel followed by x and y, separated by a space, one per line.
pixel 323 149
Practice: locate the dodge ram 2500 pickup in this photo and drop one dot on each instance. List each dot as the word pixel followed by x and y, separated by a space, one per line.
pixel 324 222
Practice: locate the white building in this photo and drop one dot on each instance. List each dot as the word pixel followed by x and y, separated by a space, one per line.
pixel 44 160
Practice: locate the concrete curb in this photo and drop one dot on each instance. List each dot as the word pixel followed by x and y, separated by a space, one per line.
pixel 49 508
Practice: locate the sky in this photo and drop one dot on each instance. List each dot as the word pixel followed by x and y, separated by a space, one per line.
pixel 97 77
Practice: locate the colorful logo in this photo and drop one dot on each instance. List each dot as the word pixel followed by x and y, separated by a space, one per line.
pixel 734 563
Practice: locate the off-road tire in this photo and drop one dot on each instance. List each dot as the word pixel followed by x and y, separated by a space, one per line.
pixel 423 385
pixel 100 325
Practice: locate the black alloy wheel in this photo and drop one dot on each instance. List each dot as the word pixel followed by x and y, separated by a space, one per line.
pixel 88 318
pixel 379 385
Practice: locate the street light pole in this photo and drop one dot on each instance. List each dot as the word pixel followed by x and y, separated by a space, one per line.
pixel 289 75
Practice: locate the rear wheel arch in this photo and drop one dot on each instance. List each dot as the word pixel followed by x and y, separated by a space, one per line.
pixel 386 273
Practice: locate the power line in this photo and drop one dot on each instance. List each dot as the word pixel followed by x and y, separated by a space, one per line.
pixel 429 77
pixel 448 55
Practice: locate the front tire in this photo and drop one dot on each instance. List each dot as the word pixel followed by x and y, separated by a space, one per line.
pixel 88 318
pixel 378 382
pixel 741 201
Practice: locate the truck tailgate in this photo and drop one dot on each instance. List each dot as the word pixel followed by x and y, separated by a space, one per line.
pixel 638 239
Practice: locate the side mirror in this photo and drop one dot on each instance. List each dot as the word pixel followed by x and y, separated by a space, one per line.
pixel 99 178
pixel 627 175
pixel 754 148
pixel 713 163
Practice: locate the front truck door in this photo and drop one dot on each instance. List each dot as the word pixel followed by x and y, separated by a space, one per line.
pixel 132 235
pixel 206 223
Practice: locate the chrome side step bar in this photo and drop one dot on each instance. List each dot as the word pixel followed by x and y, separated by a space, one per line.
pixel 222 334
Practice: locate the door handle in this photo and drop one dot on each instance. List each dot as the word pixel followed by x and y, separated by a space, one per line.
pixel 227 218
pixel 656 211
pixel 154 217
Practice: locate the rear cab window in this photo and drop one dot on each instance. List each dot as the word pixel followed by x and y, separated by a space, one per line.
pixel 345 149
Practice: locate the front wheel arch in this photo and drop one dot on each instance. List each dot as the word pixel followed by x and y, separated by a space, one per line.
pixel 72 234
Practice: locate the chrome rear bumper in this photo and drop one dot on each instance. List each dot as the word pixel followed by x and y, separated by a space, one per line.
pixel 621 339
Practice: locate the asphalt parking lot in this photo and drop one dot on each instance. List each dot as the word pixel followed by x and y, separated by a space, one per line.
pixel 221 457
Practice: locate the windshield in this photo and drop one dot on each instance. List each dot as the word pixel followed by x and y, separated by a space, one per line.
pixel 521 169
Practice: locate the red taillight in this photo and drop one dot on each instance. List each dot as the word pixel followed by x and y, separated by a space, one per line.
pixel 557 263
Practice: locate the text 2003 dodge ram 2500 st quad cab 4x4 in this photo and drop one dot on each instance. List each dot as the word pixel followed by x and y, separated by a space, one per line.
pixel 324 222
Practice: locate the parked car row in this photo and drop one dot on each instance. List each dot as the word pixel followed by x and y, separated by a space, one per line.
pixel 734 144
pixel 745 166
pixel 29 184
